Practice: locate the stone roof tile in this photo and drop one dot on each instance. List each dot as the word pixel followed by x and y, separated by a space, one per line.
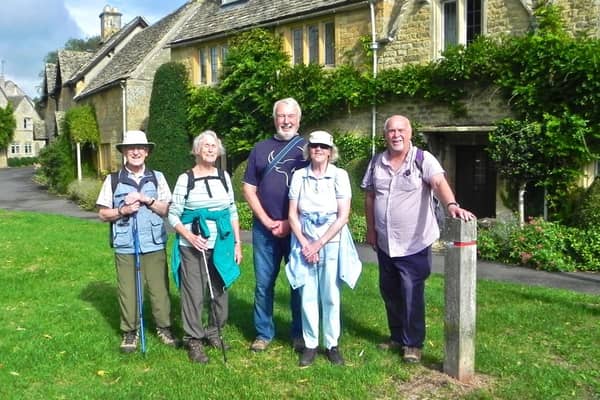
pixel 127 60
pixel 69 61
pixel 212 19
pixel 108 46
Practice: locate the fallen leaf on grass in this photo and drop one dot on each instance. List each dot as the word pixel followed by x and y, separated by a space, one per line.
pixel 47 336
pixel 14 373
pixel 101 372
pixel 21 329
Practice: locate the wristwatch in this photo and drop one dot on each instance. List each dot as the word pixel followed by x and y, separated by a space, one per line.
pixel 452 203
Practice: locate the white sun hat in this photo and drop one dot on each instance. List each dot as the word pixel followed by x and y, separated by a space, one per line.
pixel 321 137
pixel 135 138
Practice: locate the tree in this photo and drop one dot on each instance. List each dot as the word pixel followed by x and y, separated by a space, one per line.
pixel 90 44
pixel 167 121
pixel 7 126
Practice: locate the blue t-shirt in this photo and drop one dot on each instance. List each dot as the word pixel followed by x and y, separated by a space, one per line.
pixel 272 190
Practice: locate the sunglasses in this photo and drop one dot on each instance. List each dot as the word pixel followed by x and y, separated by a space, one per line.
pixel 319 146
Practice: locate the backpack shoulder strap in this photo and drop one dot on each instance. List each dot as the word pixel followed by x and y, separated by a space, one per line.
pixel 419 159
pixel 222 178
pixel 190 182
pixel 114 181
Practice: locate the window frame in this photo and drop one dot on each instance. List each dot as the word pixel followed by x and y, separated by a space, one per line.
pixel 465 9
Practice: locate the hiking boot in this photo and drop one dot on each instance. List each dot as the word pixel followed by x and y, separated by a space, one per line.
pixel 308 357
pixel 129 342
pixel 259 345
pixel 412 355
pixel 390 345
pixel 298 344
pixel 217 343
pixel 196 351
pixel 166 336
pixel 334 356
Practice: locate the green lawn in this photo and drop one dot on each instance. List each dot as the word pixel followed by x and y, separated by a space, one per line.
pixel 59 335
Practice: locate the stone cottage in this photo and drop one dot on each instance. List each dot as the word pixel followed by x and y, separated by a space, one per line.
pixel 401 33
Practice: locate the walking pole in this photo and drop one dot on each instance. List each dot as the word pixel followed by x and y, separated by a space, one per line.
pixel 138 282
pixel 212 306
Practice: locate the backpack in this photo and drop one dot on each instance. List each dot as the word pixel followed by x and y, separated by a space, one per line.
pixel 440 215
pixel 115 178
pixel 191 183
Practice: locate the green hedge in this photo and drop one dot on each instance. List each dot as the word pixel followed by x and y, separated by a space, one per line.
pixel 22 161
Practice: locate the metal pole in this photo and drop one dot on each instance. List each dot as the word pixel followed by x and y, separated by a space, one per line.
pixel 138 282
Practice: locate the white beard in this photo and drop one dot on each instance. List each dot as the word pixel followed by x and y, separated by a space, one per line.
pixel 285 135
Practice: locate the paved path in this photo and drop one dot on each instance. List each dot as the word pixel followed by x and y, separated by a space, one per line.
pixel 19 192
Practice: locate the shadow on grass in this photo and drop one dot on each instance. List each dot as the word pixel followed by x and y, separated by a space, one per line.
pixel 103 297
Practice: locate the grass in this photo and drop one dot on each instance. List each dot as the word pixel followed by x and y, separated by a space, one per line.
pixel 59 329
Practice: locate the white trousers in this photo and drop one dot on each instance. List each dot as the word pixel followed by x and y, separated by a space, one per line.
pixel 321 292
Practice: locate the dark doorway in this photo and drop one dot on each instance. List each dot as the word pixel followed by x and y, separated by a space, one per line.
pixel 475 181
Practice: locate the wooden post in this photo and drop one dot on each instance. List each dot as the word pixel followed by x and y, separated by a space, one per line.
pixel 460 271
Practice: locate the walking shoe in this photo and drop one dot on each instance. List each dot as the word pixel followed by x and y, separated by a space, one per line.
pixel 298 344
pixel 307 357
pixel 412 355
pixel 129 342
pixel 166 336
pixel 217 343
pixel 389 345
pixel 196 351
pixel 334 356
pixel 259 345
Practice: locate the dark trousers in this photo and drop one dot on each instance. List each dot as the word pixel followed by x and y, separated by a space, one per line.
pixel 402 287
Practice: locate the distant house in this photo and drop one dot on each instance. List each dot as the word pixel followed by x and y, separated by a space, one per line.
pixel 29 136
pixel 116 79
pixel 329 32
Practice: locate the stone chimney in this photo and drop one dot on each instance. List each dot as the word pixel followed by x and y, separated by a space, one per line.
pixel 110 22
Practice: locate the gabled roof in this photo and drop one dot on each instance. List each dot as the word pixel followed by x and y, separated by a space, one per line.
pixel 69 61
pixel 107 47
pixel 49 79
pixel 125 62
pixel 213 20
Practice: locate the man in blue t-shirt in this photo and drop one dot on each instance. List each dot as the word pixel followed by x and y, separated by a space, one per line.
pixel 270 167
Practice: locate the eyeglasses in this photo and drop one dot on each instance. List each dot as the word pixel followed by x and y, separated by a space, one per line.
pixel 288 116
pixel 319 146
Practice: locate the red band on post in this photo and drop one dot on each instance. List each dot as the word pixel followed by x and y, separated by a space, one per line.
pixel 465 244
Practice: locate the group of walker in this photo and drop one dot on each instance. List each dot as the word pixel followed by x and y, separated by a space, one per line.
pixel 301 203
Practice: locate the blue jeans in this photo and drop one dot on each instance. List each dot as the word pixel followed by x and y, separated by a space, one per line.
pixel 402 286
pixel 269 251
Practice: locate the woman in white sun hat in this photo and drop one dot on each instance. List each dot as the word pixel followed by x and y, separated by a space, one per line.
pixel 322 251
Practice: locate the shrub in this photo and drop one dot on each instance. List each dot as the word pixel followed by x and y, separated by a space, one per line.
pixel 587 213
pixel 540 244
pixel 22 161
pixel 85 192
pixel 167 122
pixel 236 181
pixel 57 164
pixel 244 215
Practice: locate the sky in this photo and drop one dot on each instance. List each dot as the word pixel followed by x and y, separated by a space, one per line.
pixel 30 29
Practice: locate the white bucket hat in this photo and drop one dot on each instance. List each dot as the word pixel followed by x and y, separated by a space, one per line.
pixel 321 137
pixel 135 138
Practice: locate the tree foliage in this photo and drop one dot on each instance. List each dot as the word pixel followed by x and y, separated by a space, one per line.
pixel 81 125
pixel 7 126
pixel 167 122
pixel 90 44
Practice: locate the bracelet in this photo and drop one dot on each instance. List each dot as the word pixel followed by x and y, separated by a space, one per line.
pixel 119 209
pixel 452 203
pixel 152 200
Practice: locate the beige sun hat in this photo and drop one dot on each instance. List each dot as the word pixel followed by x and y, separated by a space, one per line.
pixel 135 138
pixel 321 137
